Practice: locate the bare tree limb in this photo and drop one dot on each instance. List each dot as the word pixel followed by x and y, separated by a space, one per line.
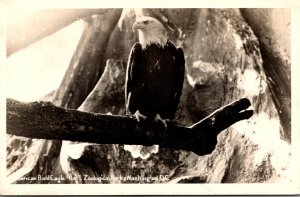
pixel 87 63
pixel 25 30
pixel 44 120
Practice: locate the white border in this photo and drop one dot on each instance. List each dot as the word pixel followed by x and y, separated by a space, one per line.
pixel 187 189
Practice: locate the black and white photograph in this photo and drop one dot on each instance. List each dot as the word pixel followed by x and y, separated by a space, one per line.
pixel 149 100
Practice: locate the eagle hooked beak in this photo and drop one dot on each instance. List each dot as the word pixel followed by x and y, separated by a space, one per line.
pixel 136 25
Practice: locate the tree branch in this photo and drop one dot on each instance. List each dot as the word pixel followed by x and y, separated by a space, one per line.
pixel 44 120
pixel 25 30
pixel 88 62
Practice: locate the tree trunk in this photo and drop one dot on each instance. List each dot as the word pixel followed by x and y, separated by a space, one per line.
pixel 272 28
pixel 87 63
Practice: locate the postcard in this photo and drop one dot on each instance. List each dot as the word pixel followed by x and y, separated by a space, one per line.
pixel 172 97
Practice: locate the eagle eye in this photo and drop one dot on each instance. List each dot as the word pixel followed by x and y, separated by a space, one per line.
pixel 146 22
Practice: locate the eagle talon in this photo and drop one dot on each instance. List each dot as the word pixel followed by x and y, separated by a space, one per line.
pixel 160 120
pixel 139 116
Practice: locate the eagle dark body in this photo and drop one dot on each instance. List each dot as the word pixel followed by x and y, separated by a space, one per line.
pixel 154 80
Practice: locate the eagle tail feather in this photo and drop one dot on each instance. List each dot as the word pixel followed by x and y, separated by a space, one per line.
pixel 143 152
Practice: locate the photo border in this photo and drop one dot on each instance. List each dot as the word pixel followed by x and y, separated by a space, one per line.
pixel 167 189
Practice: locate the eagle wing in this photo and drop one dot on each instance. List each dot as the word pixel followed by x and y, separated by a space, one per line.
pixel 131 73
pixel 180 67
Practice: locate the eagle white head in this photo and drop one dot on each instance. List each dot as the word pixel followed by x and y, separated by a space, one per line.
pixel 151 31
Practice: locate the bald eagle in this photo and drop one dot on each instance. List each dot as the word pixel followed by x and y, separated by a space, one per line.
pixel 154 78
